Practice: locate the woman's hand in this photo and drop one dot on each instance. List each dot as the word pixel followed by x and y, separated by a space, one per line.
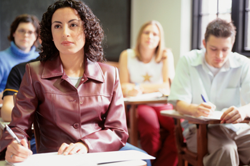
pixel 69 149
pixel 130 89
pixel 134 92
pixel 233 115
pixel 204 109
pixel 17 153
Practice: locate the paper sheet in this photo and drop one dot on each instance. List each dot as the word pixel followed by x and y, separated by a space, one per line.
pixel 52 159
pixel 89 159
pixel 215 115
pixel 146 96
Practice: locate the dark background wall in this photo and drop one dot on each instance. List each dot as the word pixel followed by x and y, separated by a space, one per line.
pixel 114 16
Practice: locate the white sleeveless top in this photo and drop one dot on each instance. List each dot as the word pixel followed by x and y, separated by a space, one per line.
pixel 140 72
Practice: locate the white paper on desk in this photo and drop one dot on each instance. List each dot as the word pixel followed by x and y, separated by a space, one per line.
pixel 214 116
pixel 145 96
pixel 53 159
pixel 114 156
pixel 89 159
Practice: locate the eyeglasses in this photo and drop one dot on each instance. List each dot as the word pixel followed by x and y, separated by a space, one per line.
pixel 23 32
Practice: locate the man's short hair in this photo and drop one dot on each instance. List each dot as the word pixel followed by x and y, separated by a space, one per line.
pixel 220 28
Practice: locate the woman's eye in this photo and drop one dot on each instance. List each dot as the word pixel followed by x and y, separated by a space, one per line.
pixel 57 26
pixel 74 25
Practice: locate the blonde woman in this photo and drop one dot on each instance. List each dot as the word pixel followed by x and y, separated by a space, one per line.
pixel 150 68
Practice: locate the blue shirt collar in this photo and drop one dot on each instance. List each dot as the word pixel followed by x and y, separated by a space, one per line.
pixel 18 52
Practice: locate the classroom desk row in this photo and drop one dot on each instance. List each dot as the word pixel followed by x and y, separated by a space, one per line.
pixel 134 102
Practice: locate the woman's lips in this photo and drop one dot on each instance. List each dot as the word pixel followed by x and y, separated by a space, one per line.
pixel 66 43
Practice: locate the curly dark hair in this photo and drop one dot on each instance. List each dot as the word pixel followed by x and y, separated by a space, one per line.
pixel 92 29
pixel 24 18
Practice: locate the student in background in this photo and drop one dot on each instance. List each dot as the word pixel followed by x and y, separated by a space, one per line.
pixel 223 78
pixel 12 87
pixel 149 68
pixel 24 33
pixel 76 100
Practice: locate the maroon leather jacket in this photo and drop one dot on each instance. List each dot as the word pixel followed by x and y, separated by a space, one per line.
pixel 92 113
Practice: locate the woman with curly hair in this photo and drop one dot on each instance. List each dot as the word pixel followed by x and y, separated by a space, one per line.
pixel 75 99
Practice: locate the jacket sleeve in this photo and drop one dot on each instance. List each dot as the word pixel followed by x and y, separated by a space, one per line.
pixel 22 113
pixel 114 134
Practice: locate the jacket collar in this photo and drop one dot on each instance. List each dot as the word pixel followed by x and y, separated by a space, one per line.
pixel 54 68
pixel 93 70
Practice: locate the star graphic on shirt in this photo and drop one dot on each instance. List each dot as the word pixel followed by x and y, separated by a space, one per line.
pixel 146 77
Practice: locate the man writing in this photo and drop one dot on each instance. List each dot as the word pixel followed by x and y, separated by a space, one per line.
pixel 223 78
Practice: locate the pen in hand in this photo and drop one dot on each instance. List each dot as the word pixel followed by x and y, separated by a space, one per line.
pixel 13 134
pixel 212 106
pixel 203 98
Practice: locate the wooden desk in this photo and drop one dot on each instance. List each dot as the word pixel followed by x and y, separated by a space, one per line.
pixel 133 114
pixel 177 115
pixel 201 132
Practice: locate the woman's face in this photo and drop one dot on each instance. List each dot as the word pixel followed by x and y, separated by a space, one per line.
pixel 67 31
pixel 25 36
pixel 150 37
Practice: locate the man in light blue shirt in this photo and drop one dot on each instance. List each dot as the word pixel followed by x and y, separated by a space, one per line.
pixel 223 78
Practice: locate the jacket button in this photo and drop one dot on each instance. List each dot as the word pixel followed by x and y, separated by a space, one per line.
pixel 76 125
pixel 81 102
